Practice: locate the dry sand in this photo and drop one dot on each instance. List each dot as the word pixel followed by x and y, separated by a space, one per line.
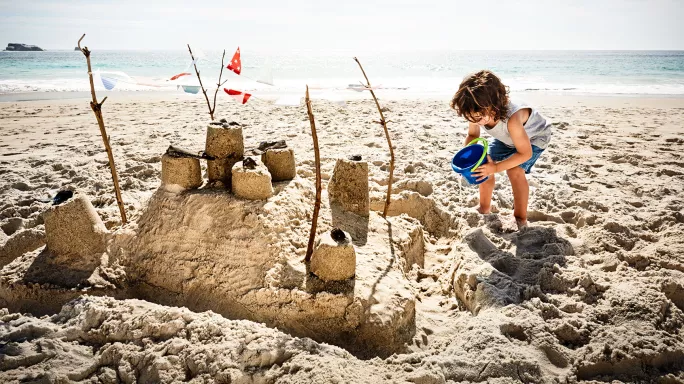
pixel 592 291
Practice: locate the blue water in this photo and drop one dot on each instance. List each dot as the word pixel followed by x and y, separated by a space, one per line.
pixel 574 72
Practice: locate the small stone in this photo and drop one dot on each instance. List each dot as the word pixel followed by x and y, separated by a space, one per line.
pixel 249 163
pixel 337 235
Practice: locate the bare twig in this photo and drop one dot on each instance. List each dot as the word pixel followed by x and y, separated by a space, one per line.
pixel 218 85
pixel 211 111
pixel 389 142
pixel 97 109
pixel 317 205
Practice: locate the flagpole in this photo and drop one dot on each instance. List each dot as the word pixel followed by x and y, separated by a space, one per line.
pixel 383 122
pixel 97 109
pixel 317 157
pixel 211 112
pixel 218 85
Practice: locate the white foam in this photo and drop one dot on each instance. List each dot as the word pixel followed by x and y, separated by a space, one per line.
pixel 337 88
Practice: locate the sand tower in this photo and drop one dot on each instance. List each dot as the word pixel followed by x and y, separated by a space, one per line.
pixel 226 145
pixel 334 258
pixel 348 186
pixel 181 170
pixel 280 163
pixel 251 180
pixel 74 229
pixel 75 237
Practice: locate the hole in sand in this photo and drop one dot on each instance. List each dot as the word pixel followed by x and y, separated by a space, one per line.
pixel 513 331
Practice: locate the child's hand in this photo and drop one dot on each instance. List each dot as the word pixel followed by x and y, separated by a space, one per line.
pixel 486 169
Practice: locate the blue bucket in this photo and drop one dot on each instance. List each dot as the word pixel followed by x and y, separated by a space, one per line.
pixel 469 158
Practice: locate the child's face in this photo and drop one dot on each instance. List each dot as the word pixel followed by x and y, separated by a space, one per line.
pixel 482 118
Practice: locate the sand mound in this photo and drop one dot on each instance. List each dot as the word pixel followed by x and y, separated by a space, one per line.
pixel 104 340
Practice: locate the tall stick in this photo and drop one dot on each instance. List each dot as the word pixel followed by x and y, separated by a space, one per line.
pixel 211 111
pixel 317 206
pixel 97 109
pixel 218 85
pixel 389 142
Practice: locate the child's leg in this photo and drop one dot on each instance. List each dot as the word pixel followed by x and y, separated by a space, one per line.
pixel 486 190
pixel 521 194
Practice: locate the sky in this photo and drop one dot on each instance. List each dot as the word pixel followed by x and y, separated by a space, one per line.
pixel 352 25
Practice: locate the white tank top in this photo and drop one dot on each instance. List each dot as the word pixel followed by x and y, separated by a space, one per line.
pixel 538 127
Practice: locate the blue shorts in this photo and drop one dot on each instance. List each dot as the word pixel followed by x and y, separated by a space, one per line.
pixel 500 152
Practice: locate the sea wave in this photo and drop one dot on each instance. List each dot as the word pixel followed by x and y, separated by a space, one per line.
pixel 405 86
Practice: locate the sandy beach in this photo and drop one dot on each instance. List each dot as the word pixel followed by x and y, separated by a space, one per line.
pixel 592 291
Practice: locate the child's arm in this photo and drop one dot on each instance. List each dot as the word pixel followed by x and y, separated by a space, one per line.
pixel 521 141
pixel 473 133
pixel 523 149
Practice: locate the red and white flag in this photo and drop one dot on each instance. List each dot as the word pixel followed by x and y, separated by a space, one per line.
pixel 235 64
pixel 238 95
pixel 180 75
pixel 186 72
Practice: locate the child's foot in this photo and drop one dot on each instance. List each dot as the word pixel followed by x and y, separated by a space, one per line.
pixel 484 211
pixel 522 223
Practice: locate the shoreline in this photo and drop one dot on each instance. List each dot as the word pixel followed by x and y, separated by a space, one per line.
pixel 537 98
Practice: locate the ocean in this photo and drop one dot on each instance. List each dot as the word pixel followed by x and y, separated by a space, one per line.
pixel 420 74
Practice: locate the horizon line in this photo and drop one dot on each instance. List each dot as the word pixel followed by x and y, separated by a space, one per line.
pixel 382 51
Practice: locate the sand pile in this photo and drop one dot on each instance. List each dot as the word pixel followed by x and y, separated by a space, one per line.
pixel 593 290
pixel 108 341
pixel 209 250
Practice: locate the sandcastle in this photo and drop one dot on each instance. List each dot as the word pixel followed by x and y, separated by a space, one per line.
pixel 235 251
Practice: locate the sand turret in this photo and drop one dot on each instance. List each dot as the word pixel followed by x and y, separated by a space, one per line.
pixel 251 180
pixel 280 163
pixel 75 235
pixel 334 258
pixel 181 170
pixel 348 187
pixel 224 143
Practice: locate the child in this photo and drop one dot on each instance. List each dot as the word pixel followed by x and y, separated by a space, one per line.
pixel 520 136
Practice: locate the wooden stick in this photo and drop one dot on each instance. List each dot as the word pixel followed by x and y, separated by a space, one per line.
pixel 97 109
pixel 317 206
pixel 218 85
pixel 389 142
pixel 211 112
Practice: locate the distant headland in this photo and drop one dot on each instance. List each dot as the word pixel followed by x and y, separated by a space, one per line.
pixel 16 47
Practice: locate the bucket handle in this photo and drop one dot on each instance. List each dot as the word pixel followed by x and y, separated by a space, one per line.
pixel 484 153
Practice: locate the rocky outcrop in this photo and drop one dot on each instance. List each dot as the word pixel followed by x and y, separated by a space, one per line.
pixel 16 47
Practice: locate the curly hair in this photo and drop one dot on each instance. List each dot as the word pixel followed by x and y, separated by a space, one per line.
pixel 481 93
